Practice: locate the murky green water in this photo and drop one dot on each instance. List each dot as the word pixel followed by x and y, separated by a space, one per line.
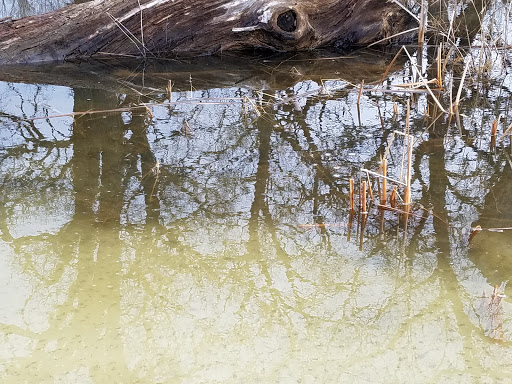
pixel 202 235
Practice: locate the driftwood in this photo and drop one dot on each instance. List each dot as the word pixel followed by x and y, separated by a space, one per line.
pixel 176 28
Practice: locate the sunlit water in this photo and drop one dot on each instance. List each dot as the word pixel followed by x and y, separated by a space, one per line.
pixel 206 238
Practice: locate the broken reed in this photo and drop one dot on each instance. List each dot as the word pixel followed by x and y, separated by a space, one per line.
pixel 494 130
pixel 365 187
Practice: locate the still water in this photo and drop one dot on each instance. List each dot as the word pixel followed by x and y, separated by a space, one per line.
pixel 205 238
pixel 188 222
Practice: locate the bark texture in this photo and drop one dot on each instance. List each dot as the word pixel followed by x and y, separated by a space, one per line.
pixel 174 28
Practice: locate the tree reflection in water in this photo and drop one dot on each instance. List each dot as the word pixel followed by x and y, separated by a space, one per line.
pixel 169 248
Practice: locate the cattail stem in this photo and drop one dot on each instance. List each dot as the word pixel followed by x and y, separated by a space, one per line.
pixel 351 193
pixel 494 130
pixel 363 198
pixel 383 195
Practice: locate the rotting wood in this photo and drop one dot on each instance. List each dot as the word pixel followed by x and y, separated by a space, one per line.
pixel 176 28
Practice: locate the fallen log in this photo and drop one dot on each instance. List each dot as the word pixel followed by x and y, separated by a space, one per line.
pixel 176 28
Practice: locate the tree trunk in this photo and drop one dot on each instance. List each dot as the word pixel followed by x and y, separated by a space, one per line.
pixel 175 28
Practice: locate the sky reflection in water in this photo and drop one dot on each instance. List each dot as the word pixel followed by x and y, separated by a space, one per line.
pixel 209 242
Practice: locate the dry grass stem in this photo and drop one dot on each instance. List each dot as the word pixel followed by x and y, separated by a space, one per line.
pixel 381 176
pixel 360 93
pixel 169 90
pixel 440 75
pixel 383 195
pixel 425 83
pixel 363 198
pixel 351 192
pixel 461 86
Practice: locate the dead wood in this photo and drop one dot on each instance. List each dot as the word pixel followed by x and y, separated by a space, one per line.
pixel 177 28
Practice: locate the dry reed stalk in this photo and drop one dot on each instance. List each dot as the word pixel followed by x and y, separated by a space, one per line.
pixel 320 225
pixel 206 101
pixel 407 191
pixel 415 85
pixel 138 44
pixel 393 197
pixel 406 10
pixel 383 194
pixel 474 231
pixel 425 83
pixel 439 67
pixel 361 234
pixel 461 85
pixel 254 106
pixel 507 131
pixel 407 197
pixel 509 159
pixel 402 88
pixel 379 175
pixel 392 36
pixel 388 68
pixel 350 222
pixel 363 198
pixel 451 29
pixel 494 130
pixel 421 30
pixel 370 188
pixel 351 192
pixel 169 90
pixel 381 224
pixel 395 109
pixel 452 111
pixel 156 171
pixel 360 93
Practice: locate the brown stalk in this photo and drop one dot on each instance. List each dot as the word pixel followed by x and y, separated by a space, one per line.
pixel 439 67
pixel 388 68
pixel 369 187
pixel 351 189
pixel 363 225
pixel 393 198
pixel 494 129
pixel 360 93
pixel 169 90
pixel 407 191
pixel 421 30
pixel 350 221
pixel 461 85
pixel 383 195
pixel 363 198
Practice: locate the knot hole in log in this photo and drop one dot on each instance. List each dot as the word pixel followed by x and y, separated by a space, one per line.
pixel 287 21
pixel 290 27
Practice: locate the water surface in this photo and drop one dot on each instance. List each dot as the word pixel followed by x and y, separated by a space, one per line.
pixel 201 234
